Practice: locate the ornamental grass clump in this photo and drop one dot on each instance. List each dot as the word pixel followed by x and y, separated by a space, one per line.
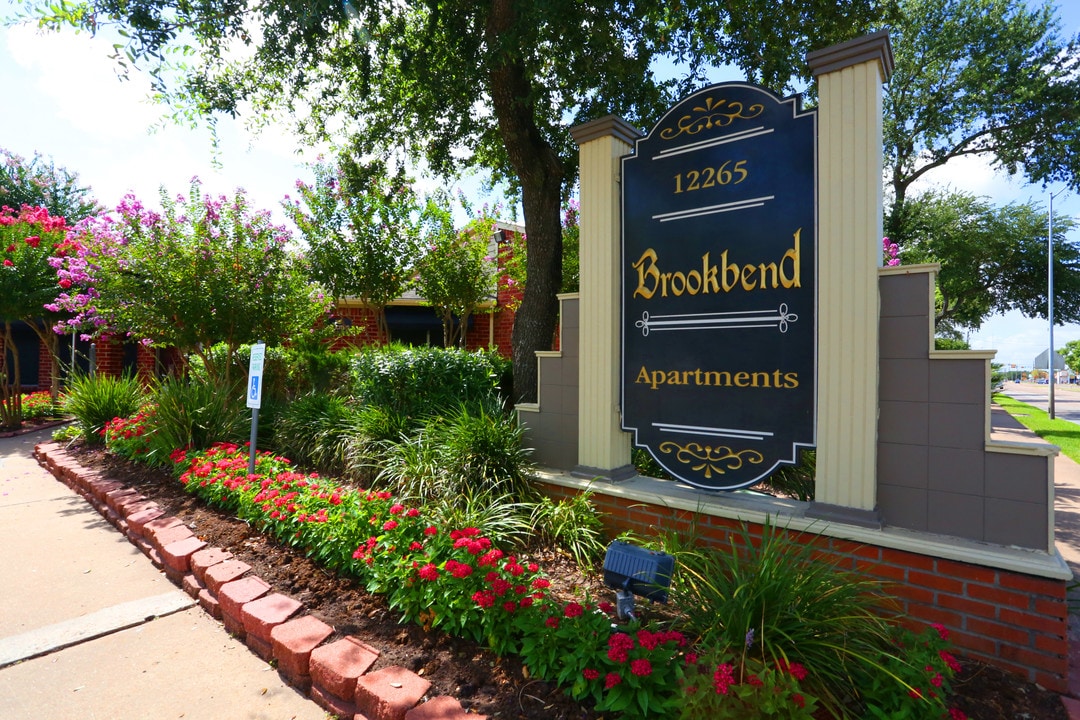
pixel 96 399
pixel 773 600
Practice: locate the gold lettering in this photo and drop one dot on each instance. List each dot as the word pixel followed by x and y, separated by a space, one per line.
pixel 644 272
pixel 733 269
pixel 678 291
pixel 709 273
pixel 770 269
pixel 793 255
pixel 764 382
pixel 742 379
pixel 791 380
pixel 748 277
pixel 642 376
pixel 673 378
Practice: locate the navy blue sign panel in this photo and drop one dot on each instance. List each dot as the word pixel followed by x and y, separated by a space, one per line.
pixel 718 286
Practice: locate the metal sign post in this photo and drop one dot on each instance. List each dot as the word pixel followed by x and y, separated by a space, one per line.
pixel 254 395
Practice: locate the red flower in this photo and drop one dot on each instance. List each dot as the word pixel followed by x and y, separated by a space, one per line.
pixel 431 530
pixel 8 263
pixel 723 678
pixel 483 598
pixel 573 610
pixel 641 667
pixel 611 680
pixel 429 572
pixel 798 700
pixel 412 512
pixel 950 661
pixel 590 674
pixel 606 607
pixel 389 525
pixel 33 241
pixel 65 283
pixel 541 583
pixel 942 631
pixel 510 606
pixel 552 622
pixel 796 670
pixel 756 682
pixel 397 509
pixel 956 714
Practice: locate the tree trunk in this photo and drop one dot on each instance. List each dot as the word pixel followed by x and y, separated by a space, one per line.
pixel 541 173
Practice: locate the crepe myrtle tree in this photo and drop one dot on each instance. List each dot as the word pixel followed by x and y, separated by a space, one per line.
pixel 30 240
pixel 38 182
pixel 204 270
pixel 360 223
pixel 493 85
pixel 457 271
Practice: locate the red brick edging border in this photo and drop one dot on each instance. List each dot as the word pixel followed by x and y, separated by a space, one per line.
pixel 335 675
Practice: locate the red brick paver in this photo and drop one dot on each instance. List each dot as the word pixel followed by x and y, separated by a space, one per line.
pixel 389 693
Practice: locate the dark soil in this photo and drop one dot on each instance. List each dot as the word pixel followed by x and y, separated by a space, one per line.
pixel 482 682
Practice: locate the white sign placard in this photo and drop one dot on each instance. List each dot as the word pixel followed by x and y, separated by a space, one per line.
pixel 255 373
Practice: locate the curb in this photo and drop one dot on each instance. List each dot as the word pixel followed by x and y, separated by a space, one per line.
pixel 273 626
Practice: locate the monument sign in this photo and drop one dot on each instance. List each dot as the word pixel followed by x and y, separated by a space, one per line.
pixel 718 286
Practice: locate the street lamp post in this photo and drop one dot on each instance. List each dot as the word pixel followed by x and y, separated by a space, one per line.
pixel 1050 297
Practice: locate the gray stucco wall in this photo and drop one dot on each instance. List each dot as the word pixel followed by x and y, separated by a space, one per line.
pixel 934 472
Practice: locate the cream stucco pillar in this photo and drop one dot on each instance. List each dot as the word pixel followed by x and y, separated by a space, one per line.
pixel 603 448
pixel 850 78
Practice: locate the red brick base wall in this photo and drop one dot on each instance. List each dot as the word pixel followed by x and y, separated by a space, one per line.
pixel 1015 621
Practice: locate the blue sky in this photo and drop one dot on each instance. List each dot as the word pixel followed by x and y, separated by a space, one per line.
pixel 63 98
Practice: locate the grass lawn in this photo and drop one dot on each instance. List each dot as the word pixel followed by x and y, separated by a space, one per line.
pixel 1064 434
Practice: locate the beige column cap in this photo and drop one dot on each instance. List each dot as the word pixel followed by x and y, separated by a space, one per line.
pixel 875 46
pixel 603 127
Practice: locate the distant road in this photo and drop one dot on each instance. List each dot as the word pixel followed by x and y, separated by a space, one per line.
pixel 1066 398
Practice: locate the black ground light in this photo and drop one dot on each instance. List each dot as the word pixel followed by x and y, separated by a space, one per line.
pixel 631 570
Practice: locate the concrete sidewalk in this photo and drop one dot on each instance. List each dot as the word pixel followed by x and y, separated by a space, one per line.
pixel 91 629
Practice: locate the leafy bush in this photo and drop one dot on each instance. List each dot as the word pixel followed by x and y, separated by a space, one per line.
pixel 67 433
pixel 96 399
pixel 276 380
pixel 918 676
pixel 194 412
pixel 415 382
pixel 131 437
pixel 772 599
pixel 38 406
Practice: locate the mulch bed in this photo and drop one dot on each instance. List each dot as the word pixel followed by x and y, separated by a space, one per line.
pixel 481 681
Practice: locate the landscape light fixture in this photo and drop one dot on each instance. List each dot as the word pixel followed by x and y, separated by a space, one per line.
pixel 631 570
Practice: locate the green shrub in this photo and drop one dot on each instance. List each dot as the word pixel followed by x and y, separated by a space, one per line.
pixel 372 437
pixel 96 399
pixel 572 525
pixel 646 465
pixel 194 413
pixel 772 599
pixel 499 517
pixel 481 449
pixel 313 431
pixel 276 376
pixel 67 433
pixel 796 481
pixel 38 406
pixel 416 382
pixel 452 455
